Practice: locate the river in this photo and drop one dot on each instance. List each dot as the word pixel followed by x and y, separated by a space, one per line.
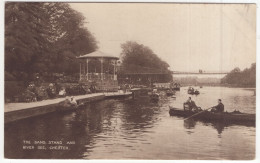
pixel 138 129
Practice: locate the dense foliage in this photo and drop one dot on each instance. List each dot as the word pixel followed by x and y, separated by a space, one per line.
pixel 43 37
pixel 247 77
pixel 137 58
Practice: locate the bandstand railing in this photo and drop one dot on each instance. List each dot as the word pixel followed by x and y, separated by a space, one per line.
pixel 96 77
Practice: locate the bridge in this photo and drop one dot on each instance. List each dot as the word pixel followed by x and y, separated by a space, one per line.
pixel 199 73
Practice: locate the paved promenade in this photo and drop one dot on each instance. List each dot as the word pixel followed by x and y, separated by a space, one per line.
pixel 20 106
pixel 18 111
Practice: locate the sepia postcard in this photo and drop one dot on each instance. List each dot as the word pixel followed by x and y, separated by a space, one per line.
pixel 130 81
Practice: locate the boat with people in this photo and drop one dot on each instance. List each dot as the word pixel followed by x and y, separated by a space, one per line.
pixel 154 97
pixel 196 92
pixel 170 92
pixel 70 103
pixel 192 91
pixel 235 117
pixel 176 86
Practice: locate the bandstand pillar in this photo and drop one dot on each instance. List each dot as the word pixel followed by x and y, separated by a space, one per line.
pixel 115 76
pixel 80 71
pixel 87 68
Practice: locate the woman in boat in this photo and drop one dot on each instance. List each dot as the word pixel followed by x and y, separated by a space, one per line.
pixel 218 108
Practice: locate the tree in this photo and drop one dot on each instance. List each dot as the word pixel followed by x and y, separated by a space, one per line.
pixel 139 58
pixel 74 40
pixel 44 37
pixel 24 35
pixel 247 77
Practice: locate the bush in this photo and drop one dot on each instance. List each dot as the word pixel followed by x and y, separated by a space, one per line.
pixel 12 89
pixel 76 90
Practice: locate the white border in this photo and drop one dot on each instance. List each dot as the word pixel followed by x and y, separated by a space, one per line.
pixel 144 1
pixel 257 159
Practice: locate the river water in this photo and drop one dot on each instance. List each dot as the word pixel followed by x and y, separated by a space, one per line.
pixel 138 129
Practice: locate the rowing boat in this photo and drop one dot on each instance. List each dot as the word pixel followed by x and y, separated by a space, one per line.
pixel 176 87
pixel 66 106
pixel 170 92
pixel 154 97
pixel 225 117
pixel 192 92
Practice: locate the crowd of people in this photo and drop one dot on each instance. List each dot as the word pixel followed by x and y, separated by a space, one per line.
pixel 52 90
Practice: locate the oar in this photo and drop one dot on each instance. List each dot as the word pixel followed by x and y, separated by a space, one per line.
pixel 197 114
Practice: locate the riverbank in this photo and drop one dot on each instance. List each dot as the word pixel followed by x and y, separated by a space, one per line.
pixel 18 111
pixel 220 85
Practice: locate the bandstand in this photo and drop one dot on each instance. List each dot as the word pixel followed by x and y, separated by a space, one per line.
pixel 99 69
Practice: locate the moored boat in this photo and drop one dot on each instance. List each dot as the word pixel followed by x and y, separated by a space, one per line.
pixel 225 117
pixel 67 105
pixel 154 97
pixel 176 86
pixel 170 92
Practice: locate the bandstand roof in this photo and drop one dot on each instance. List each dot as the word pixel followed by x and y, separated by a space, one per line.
pixel 98 54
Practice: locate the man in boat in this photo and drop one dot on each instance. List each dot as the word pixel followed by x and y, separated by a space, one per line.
pixel 218 108
pixel 190 105
pixel 66 102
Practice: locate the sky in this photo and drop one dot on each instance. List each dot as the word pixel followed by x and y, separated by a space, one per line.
pixel 189 37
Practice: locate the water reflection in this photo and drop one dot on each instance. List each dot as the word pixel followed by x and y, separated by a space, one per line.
pixel 191 123
pixel 219 127
pixel 140 116
pixel 79 126
pixel 97 121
